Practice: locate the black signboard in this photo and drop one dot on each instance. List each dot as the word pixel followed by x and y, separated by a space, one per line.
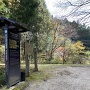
pixel 12 57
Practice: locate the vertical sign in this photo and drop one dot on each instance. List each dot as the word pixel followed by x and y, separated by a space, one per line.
pixel 12 57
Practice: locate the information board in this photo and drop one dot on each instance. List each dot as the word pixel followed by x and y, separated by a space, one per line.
pixel 28 48
pixel 12 57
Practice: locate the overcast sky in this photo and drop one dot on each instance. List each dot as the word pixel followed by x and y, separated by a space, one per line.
pixel 60 8
pixel 57 8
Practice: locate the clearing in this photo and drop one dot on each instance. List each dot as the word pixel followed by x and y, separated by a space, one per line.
pixel 64 78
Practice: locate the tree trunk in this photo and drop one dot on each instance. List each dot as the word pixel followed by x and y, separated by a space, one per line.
pixel 63 58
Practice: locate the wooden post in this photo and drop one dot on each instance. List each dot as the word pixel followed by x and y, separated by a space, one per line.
pixel 35 59
pixel 27 66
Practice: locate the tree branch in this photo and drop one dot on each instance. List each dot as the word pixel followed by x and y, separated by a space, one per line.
pixel 86 2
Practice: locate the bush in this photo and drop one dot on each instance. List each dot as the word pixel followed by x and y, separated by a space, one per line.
pixel 56 61
pixel 2 77
pixel 53 61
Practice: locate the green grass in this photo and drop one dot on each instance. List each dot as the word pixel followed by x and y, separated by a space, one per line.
pixel 22 86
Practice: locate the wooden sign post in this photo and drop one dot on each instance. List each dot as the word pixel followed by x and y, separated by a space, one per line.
pixel 28 53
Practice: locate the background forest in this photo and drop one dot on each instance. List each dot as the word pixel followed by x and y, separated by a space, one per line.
pixel 56 41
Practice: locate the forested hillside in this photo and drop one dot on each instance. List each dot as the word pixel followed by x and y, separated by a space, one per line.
pixel 47 34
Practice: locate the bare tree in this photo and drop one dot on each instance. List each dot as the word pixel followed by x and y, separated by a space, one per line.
pixel 80 10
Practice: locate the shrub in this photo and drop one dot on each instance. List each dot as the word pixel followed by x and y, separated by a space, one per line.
pixel 2 77
pixel 56 61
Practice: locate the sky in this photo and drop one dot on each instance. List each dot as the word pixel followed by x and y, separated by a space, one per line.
pixel 61 8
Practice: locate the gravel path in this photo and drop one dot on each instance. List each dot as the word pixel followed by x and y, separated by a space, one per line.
pixel 65 78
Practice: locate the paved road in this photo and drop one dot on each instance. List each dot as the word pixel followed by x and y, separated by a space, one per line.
pixel 65 78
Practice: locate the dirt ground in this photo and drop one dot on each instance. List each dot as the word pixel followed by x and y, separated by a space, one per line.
pixel 65 78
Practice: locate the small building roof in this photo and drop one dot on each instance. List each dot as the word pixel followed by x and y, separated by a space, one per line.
pixel 15 27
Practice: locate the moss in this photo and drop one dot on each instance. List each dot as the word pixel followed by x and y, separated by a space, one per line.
pixel 38 76
pixel 21 87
